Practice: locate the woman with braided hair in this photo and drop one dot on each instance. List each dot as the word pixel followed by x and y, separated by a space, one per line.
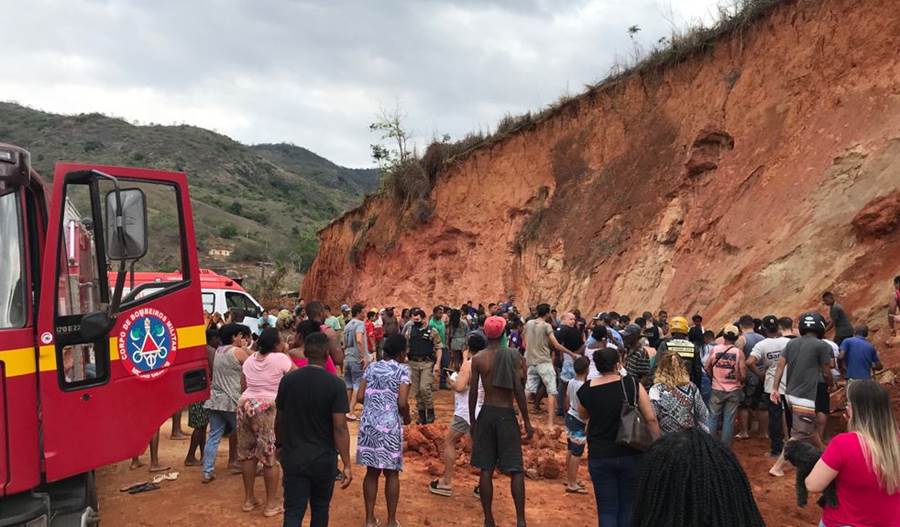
pixel 689 479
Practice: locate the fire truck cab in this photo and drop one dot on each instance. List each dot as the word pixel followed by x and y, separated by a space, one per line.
pixel 87 372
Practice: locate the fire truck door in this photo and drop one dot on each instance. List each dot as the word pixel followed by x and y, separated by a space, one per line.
pixel 112 369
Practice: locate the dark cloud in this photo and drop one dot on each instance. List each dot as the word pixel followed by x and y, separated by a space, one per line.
pixel 316 73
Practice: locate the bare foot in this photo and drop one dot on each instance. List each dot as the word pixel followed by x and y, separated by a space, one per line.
pixel 250 504
pixel 179 436
pixel 191 462
pixel 136 463
pixel 235 468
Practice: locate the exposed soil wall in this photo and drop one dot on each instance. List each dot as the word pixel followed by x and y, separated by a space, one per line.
pixel 751 177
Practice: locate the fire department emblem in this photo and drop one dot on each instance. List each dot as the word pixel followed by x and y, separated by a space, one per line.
pixel 147 343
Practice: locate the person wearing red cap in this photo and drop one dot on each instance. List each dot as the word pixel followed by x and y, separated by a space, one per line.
pixel 496 440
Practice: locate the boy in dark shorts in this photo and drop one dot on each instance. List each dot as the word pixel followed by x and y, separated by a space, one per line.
pixel 576 438
pixel 495 433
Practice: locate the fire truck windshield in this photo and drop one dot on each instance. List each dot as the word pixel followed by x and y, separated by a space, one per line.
pixel 12 265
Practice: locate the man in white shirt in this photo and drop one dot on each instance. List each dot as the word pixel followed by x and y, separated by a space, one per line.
pixel 763 361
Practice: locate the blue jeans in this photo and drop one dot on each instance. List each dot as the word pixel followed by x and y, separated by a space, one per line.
pixel 311 486
pixel 723 404
pixel 615 483
pixel 220 423
pixel 705 389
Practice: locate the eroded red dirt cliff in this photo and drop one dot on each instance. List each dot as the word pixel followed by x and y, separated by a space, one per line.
pixel 750 177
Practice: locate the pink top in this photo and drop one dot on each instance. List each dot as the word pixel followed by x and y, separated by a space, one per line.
pixel 862 501
pixel 264 373
pixel 726 362
pixel 329 364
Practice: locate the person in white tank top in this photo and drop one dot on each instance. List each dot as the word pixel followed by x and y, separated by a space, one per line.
pixel 460 425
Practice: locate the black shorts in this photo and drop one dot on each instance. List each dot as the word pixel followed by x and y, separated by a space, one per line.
pixel 497 442
pixel 823 400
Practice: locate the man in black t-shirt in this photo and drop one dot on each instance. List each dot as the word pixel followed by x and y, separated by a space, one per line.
pixel 311 430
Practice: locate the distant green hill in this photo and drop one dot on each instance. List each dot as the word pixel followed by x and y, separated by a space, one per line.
pixel 275 196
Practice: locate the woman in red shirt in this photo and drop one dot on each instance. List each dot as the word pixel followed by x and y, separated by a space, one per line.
pixel 864 463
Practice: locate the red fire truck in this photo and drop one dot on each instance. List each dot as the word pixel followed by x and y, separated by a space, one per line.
pixel 87 374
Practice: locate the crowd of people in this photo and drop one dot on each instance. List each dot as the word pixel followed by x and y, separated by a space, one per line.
pixel 654 402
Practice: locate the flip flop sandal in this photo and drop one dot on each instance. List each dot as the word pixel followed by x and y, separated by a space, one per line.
pixel 172 476
pixel 146 487
pixel 159 478
pixel 576 490
pixel 435 488
pixel 249 508
pixel 160 469
pixel 274 512
pixel 131 486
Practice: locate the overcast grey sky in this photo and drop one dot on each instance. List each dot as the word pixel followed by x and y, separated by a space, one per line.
pixel 315 73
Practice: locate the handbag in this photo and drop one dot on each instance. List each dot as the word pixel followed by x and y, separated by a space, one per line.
pixel 633 431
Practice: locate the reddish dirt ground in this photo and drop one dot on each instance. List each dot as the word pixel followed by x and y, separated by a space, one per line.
pixel 188 502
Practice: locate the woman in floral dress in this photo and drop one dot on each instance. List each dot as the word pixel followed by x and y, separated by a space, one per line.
pixel 383 391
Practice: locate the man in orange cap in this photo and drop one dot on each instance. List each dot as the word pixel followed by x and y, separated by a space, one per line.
pixel 496 440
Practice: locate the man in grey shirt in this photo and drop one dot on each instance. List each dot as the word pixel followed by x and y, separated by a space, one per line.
pixel 356 354
pixel 539 339
pixel 807 359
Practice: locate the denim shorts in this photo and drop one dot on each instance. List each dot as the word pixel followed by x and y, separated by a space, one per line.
pixel 353 372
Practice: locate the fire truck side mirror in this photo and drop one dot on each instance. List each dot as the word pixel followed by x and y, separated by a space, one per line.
pixel 126 228
pixel 96 325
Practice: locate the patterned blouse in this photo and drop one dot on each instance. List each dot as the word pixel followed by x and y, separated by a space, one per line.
pixel 680 408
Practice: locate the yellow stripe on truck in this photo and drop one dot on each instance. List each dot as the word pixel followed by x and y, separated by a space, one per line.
pixel 21 361
pixel 191 336
pixel 18 361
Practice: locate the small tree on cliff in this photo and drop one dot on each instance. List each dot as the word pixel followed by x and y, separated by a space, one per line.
pixel 392 148
pixel 636 50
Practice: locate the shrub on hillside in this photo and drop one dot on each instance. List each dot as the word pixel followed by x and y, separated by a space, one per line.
pixel 228 231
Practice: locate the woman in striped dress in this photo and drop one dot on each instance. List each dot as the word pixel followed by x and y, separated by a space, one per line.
pixel 384 391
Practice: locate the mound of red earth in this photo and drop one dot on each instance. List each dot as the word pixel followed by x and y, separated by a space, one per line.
pixel 544 455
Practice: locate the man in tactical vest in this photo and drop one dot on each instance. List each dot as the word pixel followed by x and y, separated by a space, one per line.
pixel 424 360
pixel 679 343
